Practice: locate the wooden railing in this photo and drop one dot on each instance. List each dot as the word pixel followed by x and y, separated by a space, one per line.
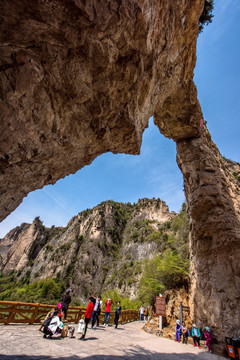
pixel 28 313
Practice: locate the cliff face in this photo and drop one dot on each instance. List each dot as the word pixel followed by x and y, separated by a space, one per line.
pixel 213 196
pixel 82 78
pixel 100 249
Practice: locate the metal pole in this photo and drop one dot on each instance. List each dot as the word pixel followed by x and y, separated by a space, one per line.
pixel 160 318
pixel 160 322
pixel 181 313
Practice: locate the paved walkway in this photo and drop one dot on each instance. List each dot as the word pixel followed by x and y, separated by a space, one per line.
pixel 128 342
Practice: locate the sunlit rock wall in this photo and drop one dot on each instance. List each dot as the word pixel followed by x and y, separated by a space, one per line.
pixel 213 197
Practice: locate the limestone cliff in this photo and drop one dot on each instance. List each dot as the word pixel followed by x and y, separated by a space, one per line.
pixel 213 196
pixel 102 248
pixel 80 78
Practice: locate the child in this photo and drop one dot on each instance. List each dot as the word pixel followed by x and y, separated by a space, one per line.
pixel 178 331
pixel 59 310
pixel 208 337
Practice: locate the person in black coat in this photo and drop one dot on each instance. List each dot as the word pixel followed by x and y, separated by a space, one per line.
pixel 66 300
pixel 117 314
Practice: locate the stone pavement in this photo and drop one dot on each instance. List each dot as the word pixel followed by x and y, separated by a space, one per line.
pixel 128 342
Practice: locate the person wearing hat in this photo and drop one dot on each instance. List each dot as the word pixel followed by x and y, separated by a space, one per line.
pixel 178 330
pixel 66 300
pixel 196 335
pixel 208 337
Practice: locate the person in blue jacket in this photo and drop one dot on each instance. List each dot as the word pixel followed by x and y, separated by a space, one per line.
pixel 178 331
pixel 196 335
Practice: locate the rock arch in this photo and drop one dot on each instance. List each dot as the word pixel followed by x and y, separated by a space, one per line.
pixel 81 78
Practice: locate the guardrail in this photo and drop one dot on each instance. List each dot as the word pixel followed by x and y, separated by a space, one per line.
pixel 13 312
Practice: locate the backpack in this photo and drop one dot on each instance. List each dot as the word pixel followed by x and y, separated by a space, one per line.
pixel 47 321
pixel 65 331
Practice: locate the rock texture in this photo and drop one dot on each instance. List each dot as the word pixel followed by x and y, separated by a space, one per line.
pixel 213 196
pixel 80 78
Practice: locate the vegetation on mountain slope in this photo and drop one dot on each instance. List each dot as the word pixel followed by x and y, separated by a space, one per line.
pixel 114 249
pixel 170 268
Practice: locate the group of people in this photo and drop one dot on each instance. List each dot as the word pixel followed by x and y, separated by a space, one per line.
pixel 53 323
pixel 143 313
pixel 182 330
pixel 93 311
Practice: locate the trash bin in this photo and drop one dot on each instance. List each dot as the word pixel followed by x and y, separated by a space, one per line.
pixel 233 347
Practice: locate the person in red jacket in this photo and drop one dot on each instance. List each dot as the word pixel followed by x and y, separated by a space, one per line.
pixel 88 314
pixel 108 304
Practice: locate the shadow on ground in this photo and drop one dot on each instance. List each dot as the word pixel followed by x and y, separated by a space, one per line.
pixel 133 354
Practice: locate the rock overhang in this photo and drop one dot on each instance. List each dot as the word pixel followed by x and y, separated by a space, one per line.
pixel 82 78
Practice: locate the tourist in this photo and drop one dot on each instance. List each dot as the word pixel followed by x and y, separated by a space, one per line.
pixel 185 333
pixel 117 314
pixel 66 300
pixel 52 325
pixel 96 311
pixel 54 312
pixel 88 314
pixel 208 337
pixel 196 335
pixel 99 310
pixel 178 331
pixel 59 310
pixel 108 304
pixel 141 310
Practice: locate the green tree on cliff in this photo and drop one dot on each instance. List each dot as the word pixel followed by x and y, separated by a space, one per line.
pixel 206 16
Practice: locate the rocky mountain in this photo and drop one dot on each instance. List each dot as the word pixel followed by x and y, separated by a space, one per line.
pixel 101 248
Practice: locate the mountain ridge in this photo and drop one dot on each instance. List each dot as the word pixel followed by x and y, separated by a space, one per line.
pixel 100 248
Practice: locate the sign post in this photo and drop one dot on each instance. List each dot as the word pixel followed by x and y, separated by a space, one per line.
pixel 160 306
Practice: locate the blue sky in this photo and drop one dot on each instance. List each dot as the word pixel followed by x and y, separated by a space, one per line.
pixel 154 173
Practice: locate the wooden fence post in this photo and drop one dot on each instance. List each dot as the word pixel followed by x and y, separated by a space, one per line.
pixel 79 315
pixel 11 314
pixel 31 321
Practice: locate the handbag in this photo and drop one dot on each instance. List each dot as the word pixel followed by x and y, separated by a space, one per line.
pixel 81 327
